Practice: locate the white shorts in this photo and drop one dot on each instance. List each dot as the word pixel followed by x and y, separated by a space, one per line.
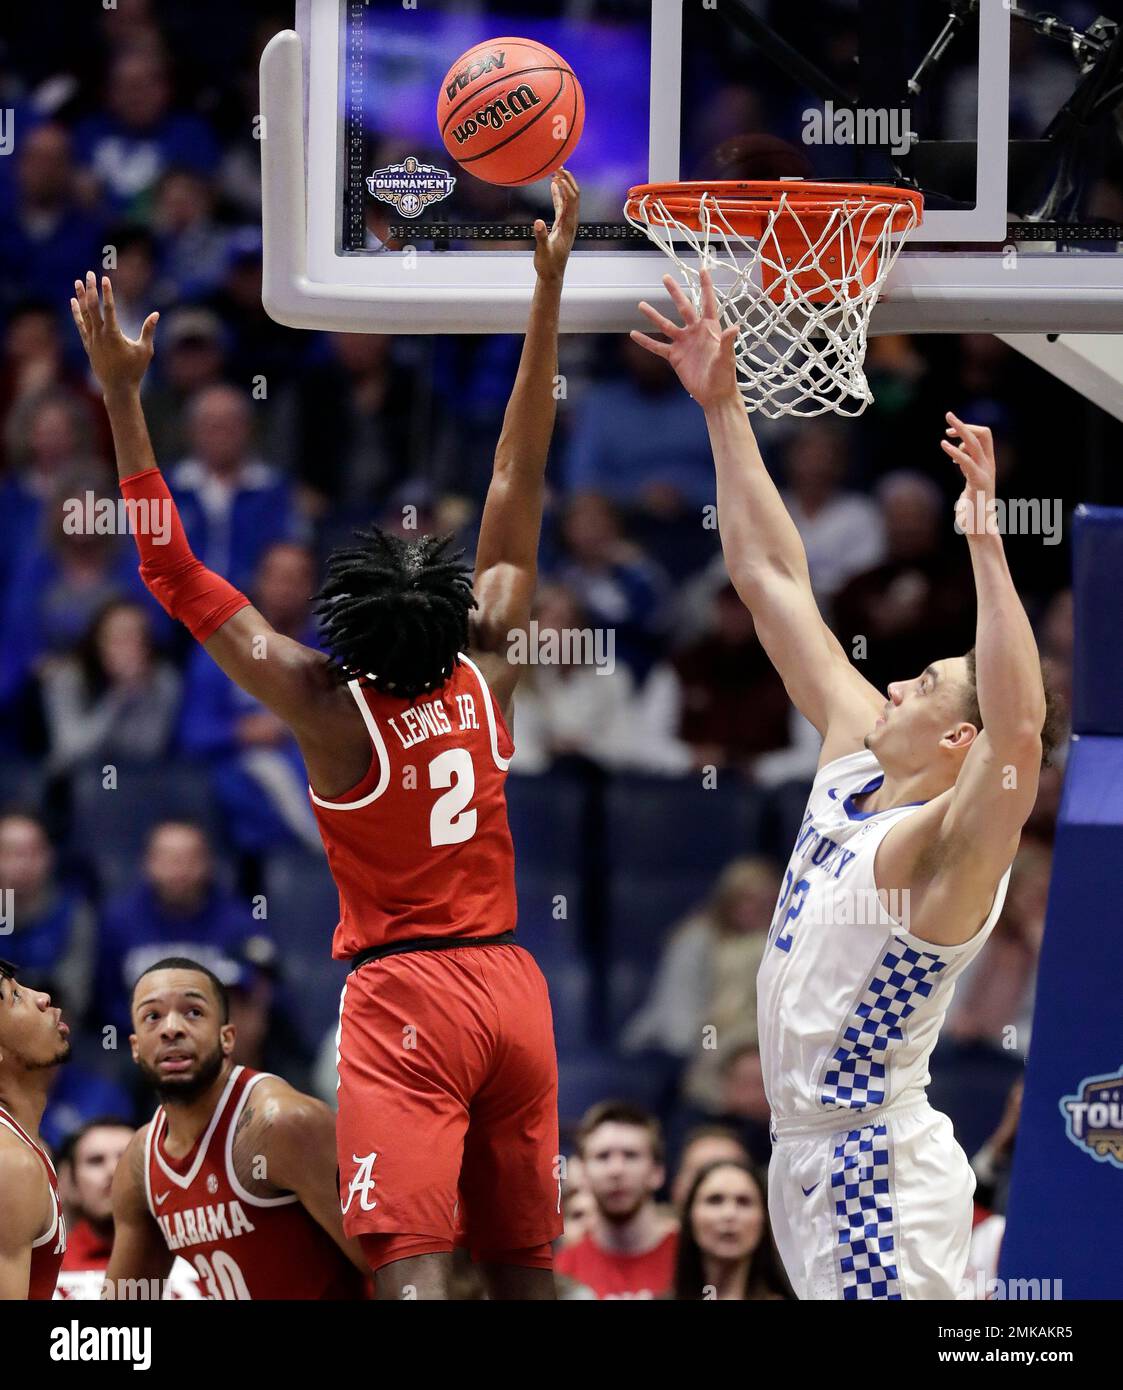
pixel 881 1211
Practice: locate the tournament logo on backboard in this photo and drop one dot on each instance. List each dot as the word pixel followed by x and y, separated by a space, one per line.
pixel 410 186
pixel 1094 1117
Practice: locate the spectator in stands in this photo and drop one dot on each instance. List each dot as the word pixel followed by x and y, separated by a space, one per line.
pixel 86 1163
pixel 192 246
pixel 578 1205
pixel 703 998
pixel 265 1038
pixel 704 1145
pixel 48 232
pixel 994 997
pixel 192 356
pixel 637 441
pixel 258 348
pixel 629 1252
pixel 47 433
pixel 49 926
pixel 59 584
pixel 741 1104
pixel 920 599
pixel 258 772
pixel 725 1248
pixel 577 701
pixel 618 585
pixel 234 506
pixel 842 531
pixel 135 284
pixel 138 136
pixel 733 705
pixel 358 425
pixel 176 908
pixel 114 700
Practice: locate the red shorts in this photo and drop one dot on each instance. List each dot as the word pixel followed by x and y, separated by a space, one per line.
pixel 448 1100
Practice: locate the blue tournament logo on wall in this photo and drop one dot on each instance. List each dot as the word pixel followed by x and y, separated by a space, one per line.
pixel 410 186
pixel 1094 1117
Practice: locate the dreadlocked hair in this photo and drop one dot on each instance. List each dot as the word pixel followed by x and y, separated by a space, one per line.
pixel 394 613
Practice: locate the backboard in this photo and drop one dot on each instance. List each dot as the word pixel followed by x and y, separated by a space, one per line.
pixel 1011 124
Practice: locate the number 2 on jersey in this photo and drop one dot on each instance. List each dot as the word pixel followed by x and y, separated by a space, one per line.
pixel 793 909
pixel 449 822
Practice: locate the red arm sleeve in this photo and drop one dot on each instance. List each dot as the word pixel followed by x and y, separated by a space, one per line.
pixel 182 585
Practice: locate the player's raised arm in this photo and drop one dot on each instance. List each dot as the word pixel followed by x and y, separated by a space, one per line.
pixel 763 550
pixel 997 784
pixel 291 679
pixel 140 1251
pixel 507 554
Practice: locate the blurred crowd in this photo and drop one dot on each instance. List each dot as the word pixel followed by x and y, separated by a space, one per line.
pixel 134 153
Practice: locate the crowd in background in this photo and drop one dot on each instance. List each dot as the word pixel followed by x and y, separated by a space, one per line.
pixel 276 444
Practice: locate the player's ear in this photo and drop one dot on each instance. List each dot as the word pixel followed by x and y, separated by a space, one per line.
pixel 960 736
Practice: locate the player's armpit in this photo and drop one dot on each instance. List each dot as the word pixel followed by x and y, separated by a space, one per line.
pixel 24 1193
pixel 140 1251
pixel 295 1136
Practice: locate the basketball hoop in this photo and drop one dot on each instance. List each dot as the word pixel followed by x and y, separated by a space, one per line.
pixel 797 268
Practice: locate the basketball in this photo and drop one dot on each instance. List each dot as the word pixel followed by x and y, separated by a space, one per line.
pixel 510 111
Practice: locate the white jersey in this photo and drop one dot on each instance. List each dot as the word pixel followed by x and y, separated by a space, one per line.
pixel 849 1002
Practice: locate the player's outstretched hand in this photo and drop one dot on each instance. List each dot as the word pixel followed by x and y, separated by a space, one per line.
pixel 552 248
pixel 974 453
pixel 118 362
pixel 700 351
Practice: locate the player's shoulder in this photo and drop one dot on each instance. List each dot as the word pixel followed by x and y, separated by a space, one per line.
pixel 23 1185
pixel 274 1106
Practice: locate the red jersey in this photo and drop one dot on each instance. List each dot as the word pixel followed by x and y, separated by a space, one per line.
pixel 242 1246
pixel 47 1251
pixel 611 1274
pixel 421 847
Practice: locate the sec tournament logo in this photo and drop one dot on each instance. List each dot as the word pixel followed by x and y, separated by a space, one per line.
pixel 410 186
pixel 1094 1117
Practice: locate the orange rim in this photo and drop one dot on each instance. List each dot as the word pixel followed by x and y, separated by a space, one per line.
pixel 746 205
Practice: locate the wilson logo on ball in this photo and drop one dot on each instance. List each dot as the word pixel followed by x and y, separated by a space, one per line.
pixel 497 112
pixel 510 111
pixel 475 69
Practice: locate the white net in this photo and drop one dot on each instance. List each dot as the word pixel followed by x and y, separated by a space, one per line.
pixel 800 287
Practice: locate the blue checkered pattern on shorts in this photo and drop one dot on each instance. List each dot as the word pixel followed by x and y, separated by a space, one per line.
pixel 863 1206
pixel 855 1076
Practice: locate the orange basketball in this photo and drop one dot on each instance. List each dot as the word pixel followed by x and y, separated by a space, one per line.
pixel 510 111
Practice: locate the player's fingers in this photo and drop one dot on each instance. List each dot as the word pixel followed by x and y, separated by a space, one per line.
pixel 967 464
pixel 651 344
pixel 709 299
pixel 80 299
pixel 148 328
pixel 76 315
pixel 93 306
pixel 664 325
pixel 110 304
pixel 966 434
pixel 681 300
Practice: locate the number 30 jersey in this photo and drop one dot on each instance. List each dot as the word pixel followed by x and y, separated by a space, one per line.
pixel 421 847
pixel 849 1002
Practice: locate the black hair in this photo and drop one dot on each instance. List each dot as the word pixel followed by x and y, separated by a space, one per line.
pixel 1052 731
pixel 69 1146
pixel 394 613
pixel 222 995
pixel 765 1276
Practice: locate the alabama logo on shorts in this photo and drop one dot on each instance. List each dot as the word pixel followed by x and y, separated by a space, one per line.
pixel 410 186
pixel 1094 1117
pixel 362 1184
